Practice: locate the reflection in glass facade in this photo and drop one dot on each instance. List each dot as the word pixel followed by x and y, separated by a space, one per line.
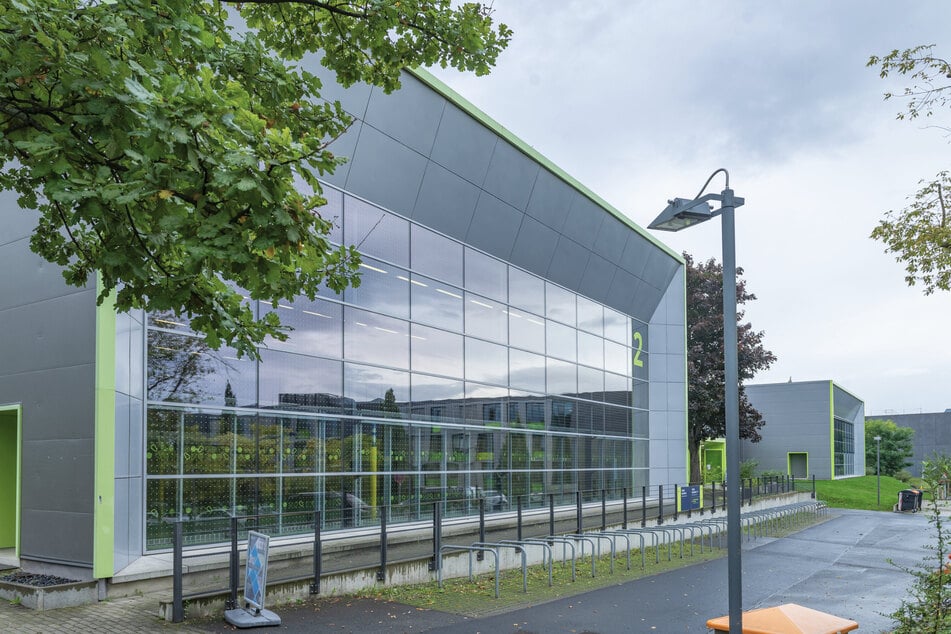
pixel 844 445
pixel 444 373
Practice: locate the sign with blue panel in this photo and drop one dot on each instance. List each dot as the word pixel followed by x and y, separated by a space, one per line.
pixel 690 498
pixel 255 578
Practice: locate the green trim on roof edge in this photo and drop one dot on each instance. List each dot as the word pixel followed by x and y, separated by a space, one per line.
pixel 430 80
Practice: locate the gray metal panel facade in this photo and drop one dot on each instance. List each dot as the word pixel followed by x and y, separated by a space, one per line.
pixel 47 364
pixel 798 419
pixel 421 156
pixel 932 435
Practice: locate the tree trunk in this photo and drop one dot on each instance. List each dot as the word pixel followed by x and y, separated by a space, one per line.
pixel 693 446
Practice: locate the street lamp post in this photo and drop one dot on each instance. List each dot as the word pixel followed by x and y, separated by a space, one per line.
pixel 681 213
pixel 878 470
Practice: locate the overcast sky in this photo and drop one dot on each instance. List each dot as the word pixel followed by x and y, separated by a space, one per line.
pixel 641 101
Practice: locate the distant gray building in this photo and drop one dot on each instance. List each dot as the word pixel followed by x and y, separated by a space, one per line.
pixel 932 434
pixel 812 427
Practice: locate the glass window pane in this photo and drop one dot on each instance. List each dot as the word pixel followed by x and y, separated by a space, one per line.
pixel 562 377
pixel 486 276
pixel 617 389
pixel 590 316
pixel 376 232
pixel 333 211
pixel 561 341
pixel 207 442
pixel 590 383
pixel 375 339
pixel 485 404
pixel 435 303
pixel 616 326
pixel 526 370
pixel 436 351
pixel 617 358
pixel 256 445
pixel 526 291
pixel 641 394
pixel 300 445
pixel 486 362
pixel 563 416
pixel 375 390
pixel 184 369
pixel 486 318
pixel 164 427
pixel 526 331
pixel 560 304
pixel 437 399
pixel 318 328
pixel 293 381
pixel 435 255
pixel 590 350
pixel 383 288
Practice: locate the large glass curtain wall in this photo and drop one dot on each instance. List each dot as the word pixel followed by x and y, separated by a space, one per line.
pixel 446 375
pixel 844 444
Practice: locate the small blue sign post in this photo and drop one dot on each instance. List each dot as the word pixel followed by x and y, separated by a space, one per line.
pixel 253 613
pixel 690 498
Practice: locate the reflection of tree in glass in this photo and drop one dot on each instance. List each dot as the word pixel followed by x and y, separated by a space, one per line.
pixel 177 364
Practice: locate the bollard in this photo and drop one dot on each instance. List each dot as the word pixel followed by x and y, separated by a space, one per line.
pixel 676 499
pixel 518 526
pixel 437 538
pixel 643 506
pixel 579 520
pixel 713 497
pixel 660 504
pixel 813 486
pixel 604 511
pixel 480 555
pixel 318 555
pixel 551 513
pixel 381 573
pixel 232 601
pixel 624 524
pixel 178 607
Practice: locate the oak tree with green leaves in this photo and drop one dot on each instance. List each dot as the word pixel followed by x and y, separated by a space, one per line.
pixel 178 157
pixel 920 234
pixel 706 417
pixel 892 451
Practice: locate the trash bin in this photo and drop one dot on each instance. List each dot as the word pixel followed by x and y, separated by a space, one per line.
pixel 909 500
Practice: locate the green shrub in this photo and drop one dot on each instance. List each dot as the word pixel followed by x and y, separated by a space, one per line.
pixel 903 475
pixel 748 468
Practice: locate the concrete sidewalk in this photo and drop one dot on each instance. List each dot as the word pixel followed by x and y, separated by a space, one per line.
pixel 839 566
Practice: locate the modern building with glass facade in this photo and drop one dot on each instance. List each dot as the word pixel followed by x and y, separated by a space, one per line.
pixel 513 336
pixel 812 428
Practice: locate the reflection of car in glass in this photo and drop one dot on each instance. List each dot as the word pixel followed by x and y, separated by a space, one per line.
pixel 494 500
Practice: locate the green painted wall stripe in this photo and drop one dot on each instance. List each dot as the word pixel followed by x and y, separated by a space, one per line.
pixel 832 429
pixel 18 411
pixel 493 125
pixel 105 441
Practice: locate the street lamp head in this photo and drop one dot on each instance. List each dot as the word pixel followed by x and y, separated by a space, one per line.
pixel 877 438
pixel 681 213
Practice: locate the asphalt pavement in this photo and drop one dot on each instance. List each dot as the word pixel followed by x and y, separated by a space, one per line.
pixel 840 566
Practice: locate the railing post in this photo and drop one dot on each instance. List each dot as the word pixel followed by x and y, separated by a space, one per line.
pixel 604 510
pixel 518 526
pixel 660 503
pixel 624 525
pixel 437 537
pixel 381 573
pixel 178 607
pixel 579 520
pixel 318 554
pixel 643 506
pixel 551 513
pixel 480 555
pixel 232 601
pixel 676 499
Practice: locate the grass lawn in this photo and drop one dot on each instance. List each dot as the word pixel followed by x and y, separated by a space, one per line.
pixel 860 493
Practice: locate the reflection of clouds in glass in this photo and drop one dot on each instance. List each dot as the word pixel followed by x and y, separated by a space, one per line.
pixel 590 350
pixel 488 392
pixel 318 328
pixel 486 275
pixel 436 304
pixel 590 316
pixel 486 362
pixel 436 351
pixel 376 232
pixel 375 339
pixel 365 383
pixel 526 291
pixel 560 304
pixel 562 377
pixel 485 318
pixel 284 373
pixel 617 358
pixel 380 289
pixel 526 371
pixel 561 341
pixel 617 327
pixel 436 255
pixel 431 388
pixel 526 331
